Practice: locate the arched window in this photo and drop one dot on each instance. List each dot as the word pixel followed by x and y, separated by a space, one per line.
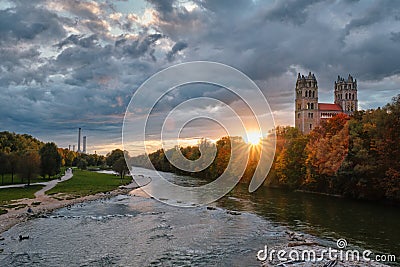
pixel 306 93
pixel 312 105
pixel 309 93
pixel 346 96
pixel 313 94
pixel 353 96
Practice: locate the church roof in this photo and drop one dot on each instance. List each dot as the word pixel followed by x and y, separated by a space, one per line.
pixel 329 107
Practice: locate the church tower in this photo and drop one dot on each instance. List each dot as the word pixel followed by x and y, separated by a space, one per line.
pixel 346 94
pixel 306 104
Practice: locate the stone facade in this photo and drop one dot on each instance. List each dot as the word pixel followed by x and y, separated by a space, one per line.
pixel 309 112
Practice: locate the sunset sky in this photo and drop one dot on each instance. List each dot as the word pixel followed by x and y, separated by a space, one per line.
pixel 66 64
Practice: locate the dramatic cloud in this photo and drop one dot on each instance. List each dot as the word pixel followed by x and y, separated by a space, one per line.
pixel 69 64
pixel 179 46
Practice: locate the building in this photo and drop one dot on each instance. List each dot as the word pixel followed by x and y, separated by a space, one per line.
pixel 309 112
pixel 79 140
pixel 84 145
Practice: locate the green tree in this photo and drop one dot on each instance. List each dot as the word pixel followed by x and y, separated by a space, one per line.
pixel 4 165
pixel 82 164
pixel 13 159
pixel 114 156
pixel 29 166
pixel 120 167
pixel 50 160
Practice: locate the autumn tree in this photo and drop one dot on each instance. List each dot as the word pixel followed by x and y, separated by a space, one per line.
pixel 290 163
pixel 326 150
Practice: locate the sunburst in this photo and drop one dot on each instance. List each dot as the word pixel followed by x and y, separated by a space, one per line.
pixel 253 138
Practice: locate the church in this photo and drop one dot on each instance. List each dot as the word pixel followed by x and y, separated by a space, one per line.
pixel 309 113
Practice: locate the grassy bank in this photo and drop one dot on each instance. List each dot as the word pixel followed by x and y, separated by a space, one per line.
pixel 85 183
pixel 8 180
pixel 8 195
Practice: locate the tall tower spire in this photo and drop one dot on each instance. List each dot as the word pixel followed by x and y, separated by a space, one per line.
pixel 346 94
pixel 306 103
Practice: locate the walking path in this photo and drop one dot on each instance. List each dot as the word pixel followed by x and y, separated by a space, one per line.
pixel 48 185
pixel 43 203
pixel 16 215
pixel 20 185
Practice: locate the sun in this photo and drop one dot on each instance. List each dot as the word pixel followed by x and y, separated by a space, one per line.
pixel 253 138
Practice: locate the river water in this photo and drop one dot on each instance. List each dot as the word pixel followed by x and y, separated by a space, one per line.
pixel 136 230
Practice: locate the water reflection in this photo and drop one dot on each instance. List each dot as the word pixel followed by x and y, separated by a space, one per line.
pixel 139 231
pixel 365 224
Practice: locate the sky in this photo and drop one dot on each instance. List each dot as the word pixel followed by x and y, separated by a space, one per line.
pixel 66 64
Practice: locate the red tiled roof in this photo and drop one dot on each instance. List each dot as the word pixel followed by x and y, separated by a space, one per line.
pixel 329 107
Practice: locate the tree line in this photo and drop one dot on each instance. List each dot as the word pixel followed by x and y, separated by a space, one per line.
pixel 356 156
pixel 27 158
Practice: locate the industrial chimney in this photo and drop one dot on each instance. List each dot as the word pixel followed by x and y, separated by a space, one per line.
pixel 79 140
pixel 84 144
pixel 73 148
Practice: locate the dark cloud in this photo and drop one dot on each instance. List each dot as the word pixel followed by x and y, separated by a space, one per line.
pixel 79 40
pixel 139 47
pixel 179 46
pixel 395 36
pixel 162 6
pixel 75 63
pixel 378 12
pixel 26 22
pixel 292 11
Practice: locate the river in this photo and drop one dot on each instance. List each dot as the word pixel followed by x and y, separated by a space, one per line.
pixel 136 230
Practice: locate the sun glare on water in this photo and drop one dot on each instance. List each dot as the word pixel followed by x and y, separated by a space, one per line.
pixel 253 138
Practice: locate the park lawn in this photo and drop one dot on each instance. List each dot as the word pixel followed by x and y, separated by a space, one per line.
pixel 17 180
pixel 9 194
pixel 85 183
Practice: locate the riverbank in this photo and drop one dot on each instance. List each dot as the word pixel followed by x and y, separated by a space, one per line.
pixel 85 186
pixel 153 233
pixel 49 204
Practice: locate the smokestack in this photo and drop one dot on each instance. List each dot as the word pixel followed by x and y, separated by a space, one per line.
pixel 73 148
pixel 79 140
pixel 69 147
pixel 84 144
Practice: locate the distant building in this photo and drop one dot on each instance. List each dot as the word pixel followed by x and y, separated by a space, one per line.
pixel 309 113
pixel 79 140
pixel 84 145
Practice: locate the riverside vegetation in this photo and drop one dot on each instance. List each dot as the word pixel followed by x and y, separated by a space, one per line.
pixel 26 160
pixel 356 157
